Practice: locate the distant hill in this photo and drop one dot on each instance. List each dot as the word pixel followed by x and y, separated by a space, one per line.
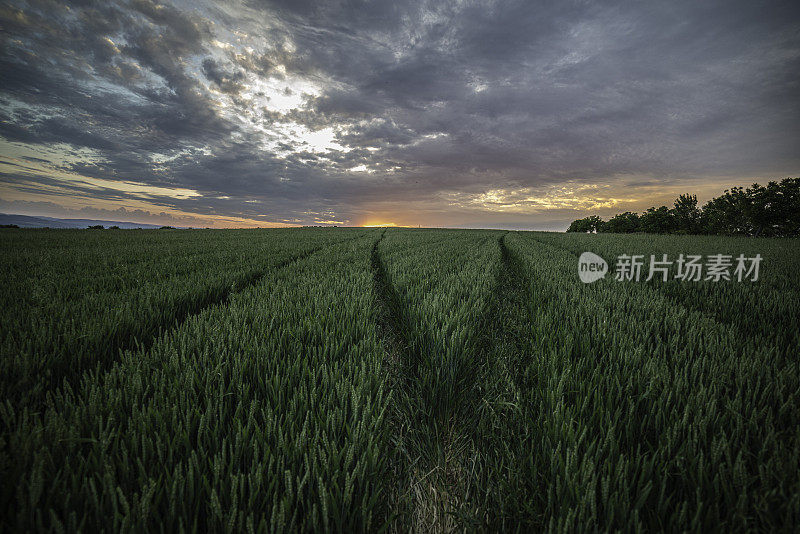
pixel 27 221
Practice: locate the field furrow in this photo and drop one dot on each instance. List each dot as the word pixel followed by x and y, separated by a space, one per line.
pixel 393 380
pixel 45 347
pixel 437 316
pixel 265 414
pixel 642 414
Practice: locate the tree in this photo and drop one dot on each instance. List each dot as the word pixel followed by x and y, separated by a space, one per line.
pixel 658 220
pixel 687 217
pixel 728 214
pixel 774 210
pixel 623 223
pixel 589 224
pixel 787 208
pixel 771 210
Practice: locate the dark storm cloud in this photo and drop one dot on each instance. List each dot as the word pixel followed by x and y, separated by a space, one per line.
pixel 227 82
pixel 426 99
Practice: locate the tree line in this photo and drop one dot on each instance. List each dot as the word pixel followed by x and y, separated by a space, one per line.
pixel 772 210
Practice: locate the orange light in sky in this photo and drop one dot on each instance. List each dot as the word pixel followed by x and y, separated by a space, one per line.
pixel 379 225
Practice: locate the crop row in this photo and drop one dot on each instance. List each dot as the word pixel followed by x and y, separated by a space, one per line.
pixel 428 380
pixel 77 298
pixel 624 410
pixel 441 283
pixel 265 414
pixel 768 308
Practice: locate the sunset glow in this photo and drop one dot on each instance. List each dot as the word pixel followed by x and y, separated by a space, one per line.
pixel 421 114
pixel 383 225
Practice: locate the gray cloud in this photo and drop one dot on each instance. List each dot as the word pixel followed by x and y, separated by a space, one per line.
pixel 290 111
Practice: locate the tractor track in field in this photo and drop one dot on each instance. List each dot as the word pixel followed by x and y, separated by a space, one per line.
pixel 70 373
pixel 441 496
pixel 510 313
pixel 503 351
pixel 391 324
pixel 425 494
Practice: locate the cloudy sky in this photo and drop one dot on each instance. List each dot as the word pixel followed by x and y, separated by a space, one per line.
pixel 448 113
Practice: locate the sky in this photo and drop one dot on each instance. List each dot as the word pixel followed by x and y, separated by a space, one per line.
pixel 507 114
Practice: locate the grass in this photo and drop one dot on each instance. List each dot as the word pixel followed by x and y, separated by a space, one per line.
pixel 392 379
